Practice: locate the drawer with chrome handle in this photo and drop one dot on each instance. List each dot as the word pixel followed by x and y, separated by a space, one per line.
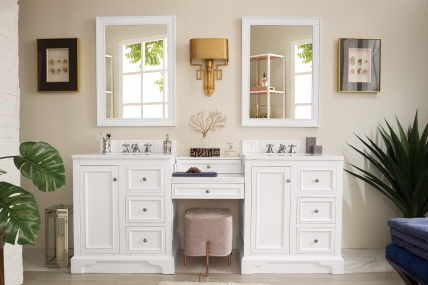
pixel 320 240
pixel 145 179
pixel 208 191
pixel 210 165
pixel 145 209
pixel 145 239
pixel 317 180
pixel 316 210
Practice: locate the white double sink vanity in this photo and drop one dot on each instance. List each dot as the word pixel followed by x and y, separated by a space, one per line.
pixel 126 209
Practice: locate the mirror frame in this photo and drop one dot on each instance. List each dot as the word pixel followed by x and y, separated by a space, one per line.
pixel 101 23
pixel 247 22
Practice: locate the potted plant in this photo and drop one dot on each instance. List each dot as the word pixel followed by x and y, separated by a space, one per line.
pixel 42 164
pixel 404 167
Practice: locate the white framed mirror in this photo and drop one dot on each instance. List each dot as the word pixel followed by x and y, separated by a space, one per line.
pixel 135 64
pixel 280 72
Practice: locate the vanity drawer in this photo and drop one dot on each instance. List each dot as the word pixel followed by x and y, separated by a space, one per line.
pixel 310 240
pixel 210 165
pixel 144 179
pixel 145 209
pixel 317 180
pixel 316 210
pixel 145 240
pixel 207 191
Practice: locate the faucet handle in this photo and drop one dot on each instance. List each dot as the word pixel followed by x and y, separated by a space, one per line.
pixel 269 150
pixel 125 147
pixel 147 145
pixel 135 147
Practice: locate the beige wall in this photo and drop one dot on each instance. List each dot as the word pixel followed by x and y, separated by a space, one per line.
pixel 68 120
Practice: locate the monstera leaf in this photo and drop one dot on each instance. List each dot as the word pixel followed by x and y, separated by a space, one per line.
pixel 42 164
pixel 18 211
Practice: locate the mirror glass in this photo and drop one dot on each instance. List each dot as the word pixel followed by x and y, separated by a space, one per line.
pixel 136 71
pixel 280 72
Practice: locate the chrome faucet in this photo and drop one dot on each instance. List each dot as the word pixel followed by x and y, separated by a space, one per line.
pixel 281 148
pixel 270 150
pixel 135 147
pixel 125 147
pixel 147 145
pixel 292 148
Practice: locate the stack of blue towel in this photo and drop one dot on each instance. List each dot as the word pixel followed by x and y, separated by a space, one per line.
pixel 409 248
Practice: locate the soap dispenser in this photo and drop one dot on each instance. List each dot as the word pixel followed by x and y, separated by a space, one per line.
pixel 167 145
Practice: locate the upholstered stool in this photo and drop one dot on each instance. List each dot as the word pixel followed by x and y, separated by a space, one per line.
pixel 207 232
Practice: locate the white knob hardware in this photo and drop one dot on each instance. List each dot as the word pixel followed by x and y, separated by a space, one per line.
pixel 317 180
pixel 208 166
pixel 144 179
pixel 288 180
pixel 144 210
pixel 145 240
pixel 114 179
pixel 208 191
pixel 315 241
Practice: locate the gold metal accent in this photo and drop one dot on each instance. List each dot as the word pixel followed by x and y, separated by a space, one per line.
pixel 209 49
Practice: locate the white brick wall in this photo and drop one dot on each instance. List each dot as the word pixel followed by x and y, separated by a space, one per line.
pixel 9 119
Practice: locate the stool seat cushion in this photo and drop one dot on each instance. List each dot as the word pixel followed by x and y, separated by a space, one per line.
pixel 213 225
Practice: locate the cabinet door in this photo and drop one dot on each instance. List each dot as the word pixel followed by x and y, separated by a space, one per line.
pixel 99 202
pixel 270 210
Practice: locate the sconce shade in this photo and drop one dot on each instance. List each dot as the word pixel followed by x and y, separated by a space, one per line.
pixel 213 48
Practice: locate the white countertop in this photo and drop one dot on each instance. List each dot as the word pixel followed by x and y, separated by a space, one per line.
pixel 289 156
pixel 130 155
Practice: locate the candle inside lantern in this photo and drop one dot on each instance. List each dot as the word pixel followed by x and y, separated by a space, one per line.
pixel 60 248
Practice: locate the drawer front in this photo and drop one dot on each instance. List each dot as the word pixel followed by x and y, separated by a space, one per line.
pixel 207 165
pixel 310 240
pixel 317 180
pixel 145 240
pixel 208 191
pixel 145 209
pixel 316 210
pixel 144 179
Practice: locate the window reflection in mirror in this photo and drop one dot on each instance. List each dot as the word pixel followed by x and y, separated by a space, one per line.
pixel 284 55
pixel 138 76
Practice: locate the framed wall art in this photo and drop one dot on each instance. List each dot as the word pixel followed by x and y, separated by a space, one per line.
pixel 359 65
pixel 58 65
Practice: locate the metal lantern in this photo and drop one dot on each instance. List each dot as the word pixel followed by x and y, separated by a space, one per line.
pixel 59 235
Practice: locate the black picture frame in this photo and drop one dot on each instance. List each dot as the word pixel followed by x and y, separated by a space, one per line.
pixel 58 65
pixel 359 65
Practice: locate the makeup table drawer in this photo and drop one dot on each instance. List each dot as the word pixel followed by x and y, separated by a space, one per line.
pixel 208 191
pixel 210 165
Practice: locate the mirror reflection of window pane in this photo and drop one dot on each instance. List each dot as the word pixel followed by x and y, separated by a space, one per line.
pixel 165 85
pixel 153 55
pixel 303 112
pixel 127 65
pixel 303 88
pixel 166 111
pixel 131 112
pixel 152 111
pixel 299 65
pixel 131 88
pixel 152 87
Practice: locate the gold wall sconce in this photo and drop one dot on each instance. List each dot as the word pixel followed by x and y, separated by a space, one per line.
pixel 209 49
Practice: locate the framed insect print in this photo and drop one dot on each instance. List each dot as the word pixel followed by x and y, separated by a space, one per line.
pixel 58 65
pixel 359 65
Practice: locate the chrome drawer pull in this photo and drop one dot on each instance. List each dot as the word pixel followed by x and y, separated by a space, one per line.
pixel 145 240
pixel 114 179
pixel 144 179
pixel 208 166
pixel 315 241
pixel 316 211
pixel 289 180
pixel 144 210
pixel 317 180
pixel 208 191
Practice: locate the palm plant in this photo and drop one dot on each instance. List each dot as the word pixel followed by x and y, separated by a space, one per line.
pixel 19 212
pixel 403 167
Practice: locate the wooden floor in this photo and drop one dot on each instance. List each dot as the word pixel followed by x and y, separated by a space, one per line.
pixel 65 278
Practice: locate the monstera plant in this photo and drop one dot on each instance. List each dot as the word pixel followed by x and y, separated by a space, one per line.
pixel 403 167
pixel 19 212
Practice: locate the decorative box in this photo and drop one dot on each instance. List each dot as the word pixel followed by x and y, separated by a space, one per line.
pixel 204 152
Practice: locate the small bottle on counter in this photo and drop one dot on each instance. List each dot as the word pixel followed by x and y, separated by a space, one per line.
pixel 167 145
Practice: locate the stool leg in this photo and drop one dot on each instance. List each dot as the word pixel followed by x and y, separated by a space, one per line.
pixel 208 257
pixel 228 259
pixel 184 259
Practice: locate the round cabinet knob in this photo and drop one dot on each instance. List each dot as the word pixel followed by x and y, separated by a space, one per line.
pixel 145 210
pixel 315 241
pixel 144 179
pixel 316 210
pixel 317 180
pixel 289 180
pixel 145 240
pixel 114 179
pixel 207 191
pixel 208 166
